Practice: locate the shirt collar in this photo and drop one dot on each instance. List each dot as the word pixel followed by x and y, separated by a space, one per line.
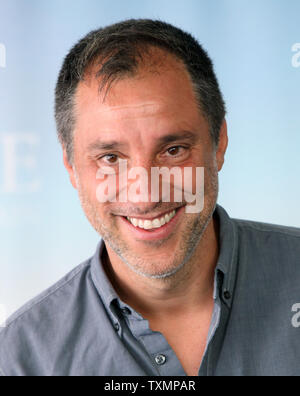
pixel 101 281
pixel 225 273
pixel 227 261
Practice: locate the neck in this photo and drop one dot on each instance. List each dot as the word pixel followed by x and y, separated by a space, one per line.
pixel 190 289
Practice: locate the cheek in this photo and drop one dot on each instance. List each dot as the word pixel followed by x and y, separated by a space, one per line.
pixel 86 177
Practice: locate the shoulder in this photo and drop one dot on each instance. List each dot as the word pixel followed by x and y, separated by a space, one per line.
pixel 274 243
pixel 266 297
pixel 61 290
pixel 271 246
pixel 34 330
pixel 268 266
pixel 258 228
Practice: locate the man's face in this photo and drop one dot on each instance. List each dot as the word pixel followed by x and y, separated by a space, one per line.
pixel 150 120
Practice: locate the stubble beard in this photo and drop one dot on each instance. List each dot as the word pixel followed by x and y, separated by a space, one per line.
pixel 191 235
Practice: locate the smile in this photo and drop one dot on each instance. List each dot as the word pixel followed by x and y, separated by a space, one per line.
pixel 152 229
pixel 151 224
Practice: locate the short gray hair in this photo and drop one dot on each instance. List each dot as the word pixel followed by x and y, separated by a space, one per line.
pixel 119 49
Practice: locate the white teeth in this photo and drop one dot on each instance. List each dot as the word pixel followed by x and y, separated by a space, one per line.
pixel 156 223
pixel 147 224
pixel 135 222
pixel 162 220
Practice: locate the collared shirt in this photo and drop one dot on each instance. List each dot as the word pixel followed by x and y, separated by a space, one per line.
pixel 81 327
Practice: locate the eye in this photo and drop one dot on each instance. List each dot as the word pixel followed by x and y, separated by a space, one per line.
pixel 110 158
pixel 175 151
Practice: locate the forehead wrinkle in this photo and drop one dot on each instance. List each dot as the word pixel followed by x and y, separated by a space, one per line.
pixel 133 110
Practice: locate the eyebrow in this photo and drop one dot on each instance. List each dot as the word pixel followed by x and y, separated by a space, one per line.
pixel 99 145
pixel 174 137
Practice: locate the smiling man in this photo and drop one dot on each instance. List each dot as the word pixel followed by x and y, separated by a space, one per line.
pixel 170 291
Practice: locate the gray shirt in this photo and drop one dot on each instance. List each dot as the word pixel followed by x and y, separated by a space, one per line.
pixel 80 326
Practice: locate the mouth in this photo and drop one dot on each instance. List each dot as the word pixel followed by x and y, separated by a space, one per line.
pixel 156 228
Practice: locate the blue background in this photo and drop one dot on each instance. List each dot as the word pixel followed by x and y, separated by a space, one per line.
pixel 43 232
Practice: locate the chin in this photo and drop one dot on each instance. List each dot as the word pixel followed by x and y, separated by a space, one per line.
pixel 163 271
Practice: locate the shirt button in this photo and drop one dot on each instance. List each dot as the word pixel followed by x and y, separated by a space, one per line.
pixel 126 311
pixel 160 359
pixel 117 326
pixel 227 295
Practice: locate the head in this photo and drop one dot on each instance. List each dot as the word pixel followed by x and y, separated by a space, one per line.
pixel 145 92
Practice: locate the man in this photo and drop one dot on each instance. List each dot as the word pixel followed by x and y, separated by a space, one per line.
pixel 170 290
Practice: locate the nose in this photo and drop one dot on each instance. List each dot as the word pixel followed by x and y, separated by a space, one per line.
pixel 142 184
pixel 139 182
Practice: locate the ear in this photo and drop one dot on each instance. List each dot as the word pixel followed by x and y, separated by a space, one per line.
pixel 70 169
pixel 222 146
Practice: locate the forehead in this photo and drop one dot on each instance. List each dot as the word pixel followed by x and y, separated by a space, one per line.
pixel 160 94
